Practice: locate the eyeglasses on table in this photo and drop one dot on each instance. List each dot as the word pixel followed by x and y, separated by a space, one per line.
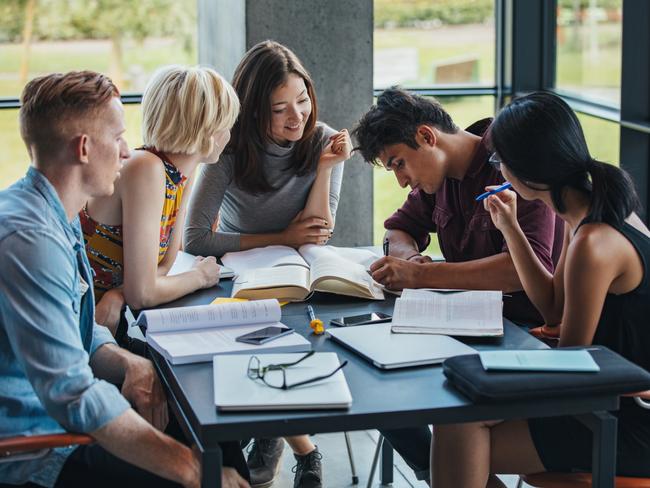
pixel 256 371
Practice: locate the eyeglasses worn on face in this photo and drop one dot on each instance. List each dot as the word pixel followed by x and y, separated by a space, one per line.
pixel 256 371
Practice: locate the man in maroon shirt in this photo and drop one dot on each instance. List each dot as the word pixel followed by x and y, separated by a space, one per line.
pixel 446 168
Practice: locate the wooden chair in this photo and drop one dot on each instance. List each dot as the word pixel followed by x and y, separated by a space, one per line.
pixel 34 446
pixel 583 480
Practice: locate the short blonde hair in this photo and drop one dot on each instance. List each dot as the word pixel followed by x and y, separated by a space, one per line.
pixel 184 107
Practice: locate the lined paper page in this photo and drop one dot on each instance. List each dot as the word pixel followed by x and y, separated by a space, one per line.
pixel 451 312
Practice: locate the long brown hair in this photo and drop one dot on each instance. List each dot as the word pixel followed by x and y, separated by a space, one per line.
pixel 265 67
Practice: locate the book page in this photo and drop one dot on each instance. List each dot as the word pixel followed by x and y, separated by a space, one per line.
pixel 206 316
pixel 331 266
pixel 449 310
pixel 262 257
pixel 272 278
pixel 312 252
pixel 202 345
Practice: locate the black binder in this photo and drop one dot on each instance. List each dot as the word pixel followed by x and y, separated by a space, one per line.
pixel 616 375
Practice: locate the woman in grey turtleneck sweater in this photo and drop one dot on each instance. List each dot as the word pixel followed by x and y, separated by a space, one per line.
pixel 278 180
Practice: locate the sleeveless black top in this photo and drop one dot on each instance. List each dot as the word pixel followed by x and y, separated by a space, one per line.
pixel 563 443
pixel 624 324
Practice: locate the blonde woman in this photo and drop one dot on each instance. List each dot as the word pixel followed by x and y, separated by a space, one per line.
pixel 132 236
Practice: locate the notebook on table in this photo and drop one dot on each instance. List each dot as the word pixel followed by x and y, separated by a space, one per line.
pixel 560 360
pixel 235 391
pixel 386 350
pixel 185 261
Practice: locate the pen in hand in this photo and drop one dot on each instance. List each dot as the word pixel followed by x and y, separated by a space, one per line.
pixel 498 189
pixel 386 246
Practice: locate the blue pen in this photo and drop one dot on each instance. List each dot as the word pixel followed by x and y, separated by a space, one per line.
pixel 483 196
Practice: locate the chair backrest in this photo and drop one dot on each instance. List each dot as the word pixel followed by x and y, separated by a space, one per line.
pixel 21 448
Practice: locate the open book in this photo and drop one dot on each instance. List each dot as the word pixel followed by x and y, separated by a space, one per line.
pixel 286 274
pixel 449 312
pixel 195 334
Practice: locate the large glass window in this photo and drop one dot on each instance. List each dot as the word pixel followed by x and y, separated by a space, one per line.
pixel 125 39
pixel 420 43
pixel 388 196
pixel 14 159
pixel 589 39
pixel 603 138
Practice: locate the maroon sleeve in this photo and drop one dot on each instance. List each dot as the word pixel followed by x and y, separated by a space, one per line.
pixel 538 223
pixel 415 217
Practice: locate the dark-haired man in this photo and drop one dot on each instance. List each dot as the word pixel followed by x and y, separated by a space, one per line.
pixel 58 368
pixel 446 168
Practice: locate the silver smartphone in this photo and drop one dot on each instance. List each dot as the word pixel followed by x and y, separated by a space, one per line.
pixel 364 319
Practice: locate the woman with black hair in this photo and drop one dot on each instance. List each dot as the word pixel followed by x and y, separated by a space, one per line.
pixel 600 293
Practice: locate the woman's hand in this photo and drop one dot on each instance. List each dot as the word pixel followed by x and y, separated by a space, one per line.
pixel 312 230
pixel 503 209
pixel 208 270
pixel 109 308
pixel 337 150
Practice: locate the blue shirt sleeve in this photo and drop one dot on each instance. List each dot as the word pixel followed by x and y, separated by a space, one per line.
pixel 101 336
pixel 40 314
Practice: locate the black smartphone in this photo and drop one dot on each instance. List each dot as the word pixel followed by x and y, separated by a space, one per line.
pixel 264 335
pixel 365 319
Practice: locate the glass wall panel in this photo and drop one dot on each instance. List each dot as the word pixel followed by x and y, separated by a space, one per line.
pixel 125 39
pixel 420 43
pixel 603 138
pixel 13 157
pixel 388 196
pixel 589 39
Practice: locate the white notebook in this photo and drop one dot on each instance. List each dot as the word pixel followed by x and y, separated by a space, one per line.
pixel 184 262
pixel 386 350
pixel 195 334
pixel 450 312
pixel 235 391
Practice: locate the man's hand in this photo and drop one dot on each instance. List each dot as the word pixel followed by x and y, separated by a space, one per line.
pixel 395 273
pixel 109 308
pixel 230 479
pixel 312 230
pixel 143 390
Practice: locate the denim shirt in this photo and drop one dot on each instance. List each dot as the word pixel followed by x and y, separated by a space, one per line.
pixel 47 329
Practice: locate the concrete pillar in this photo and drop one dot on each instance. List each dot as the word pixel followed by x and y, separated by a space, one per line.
pixel 221 34
pixel 333 39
